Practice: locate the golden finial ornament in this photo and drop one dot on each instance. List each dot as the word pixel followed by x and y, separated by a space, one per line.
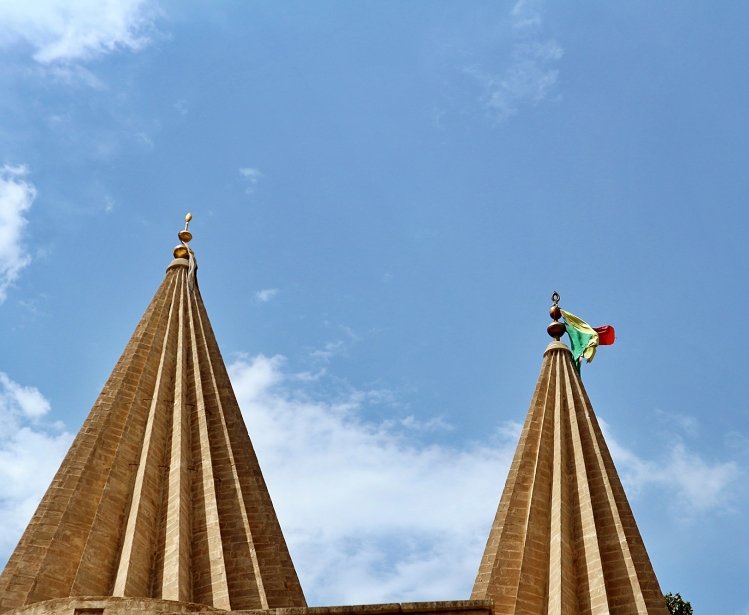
pixel 182 251
pixel 185 235
pixel 556 329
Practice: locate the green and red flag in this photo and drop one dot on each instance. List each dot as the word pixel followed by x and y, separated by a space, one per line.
pixel 585 339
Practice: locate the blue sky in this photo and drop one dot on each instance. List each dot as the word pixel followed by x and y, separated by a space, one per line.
pixel 385 194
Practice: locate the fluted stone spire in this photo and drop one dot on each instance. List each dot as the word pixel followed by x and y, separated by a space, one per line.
pixel 160 495
pixel 564 540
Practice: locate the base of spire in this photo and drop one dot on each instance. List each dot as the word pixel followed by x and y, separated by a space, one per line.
pixel 98 605
pixel 109 605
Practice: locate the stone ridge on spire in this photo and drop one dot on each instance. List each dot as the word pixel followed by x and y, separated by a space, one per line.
pixel 564 540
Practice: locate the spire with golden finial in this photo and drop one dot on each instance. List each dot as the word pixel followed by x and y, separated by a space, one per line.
pixel 174 515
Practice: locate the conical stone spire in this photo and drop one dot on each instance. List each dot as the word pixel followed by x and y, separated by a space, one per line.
pixel 564 540
pixel 160 495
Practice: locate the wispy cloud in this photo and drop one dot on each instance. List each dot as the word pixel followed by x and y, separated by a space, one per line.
pixel 16 197
pixel 30 452
pixel 265 295
pixel 436 423
pixel 60 31
pixel 182 107
pixel 688 424
pixel 531 74
pixel 329 350
pixel 71 75
pixel 696 486
pixel 336 347
pixel 252 177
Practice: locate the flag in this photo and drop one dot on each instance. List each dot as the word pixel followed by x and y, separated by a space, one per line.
pixel 585 339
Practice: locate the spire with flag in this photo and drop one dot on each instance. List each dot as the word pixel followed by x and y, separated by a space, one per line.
pixel 564 540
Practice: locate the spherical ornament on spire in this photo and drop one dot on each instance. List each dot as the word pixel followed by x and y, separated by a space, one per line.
pixel 556 329
pixel 185 236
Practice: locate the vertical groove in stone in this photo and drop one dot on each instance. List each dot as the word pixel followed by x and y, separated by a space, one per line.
pixel 210 586
pixel 157 561
pixel 533 582
pixel 587 531
pixel 564 540
pixel 176 580
pixel 562 594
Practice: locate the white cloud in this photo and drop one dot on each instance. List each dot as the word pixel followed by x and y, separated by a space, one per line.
pixel 695 486
pixel 370 513
pixel 265 295
pixel 20 400
pixel 531 73
pixel 30 452
pixel 252 175
pixel 329 350
pixel 65 31
pixel 688 424
pixel 16 197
